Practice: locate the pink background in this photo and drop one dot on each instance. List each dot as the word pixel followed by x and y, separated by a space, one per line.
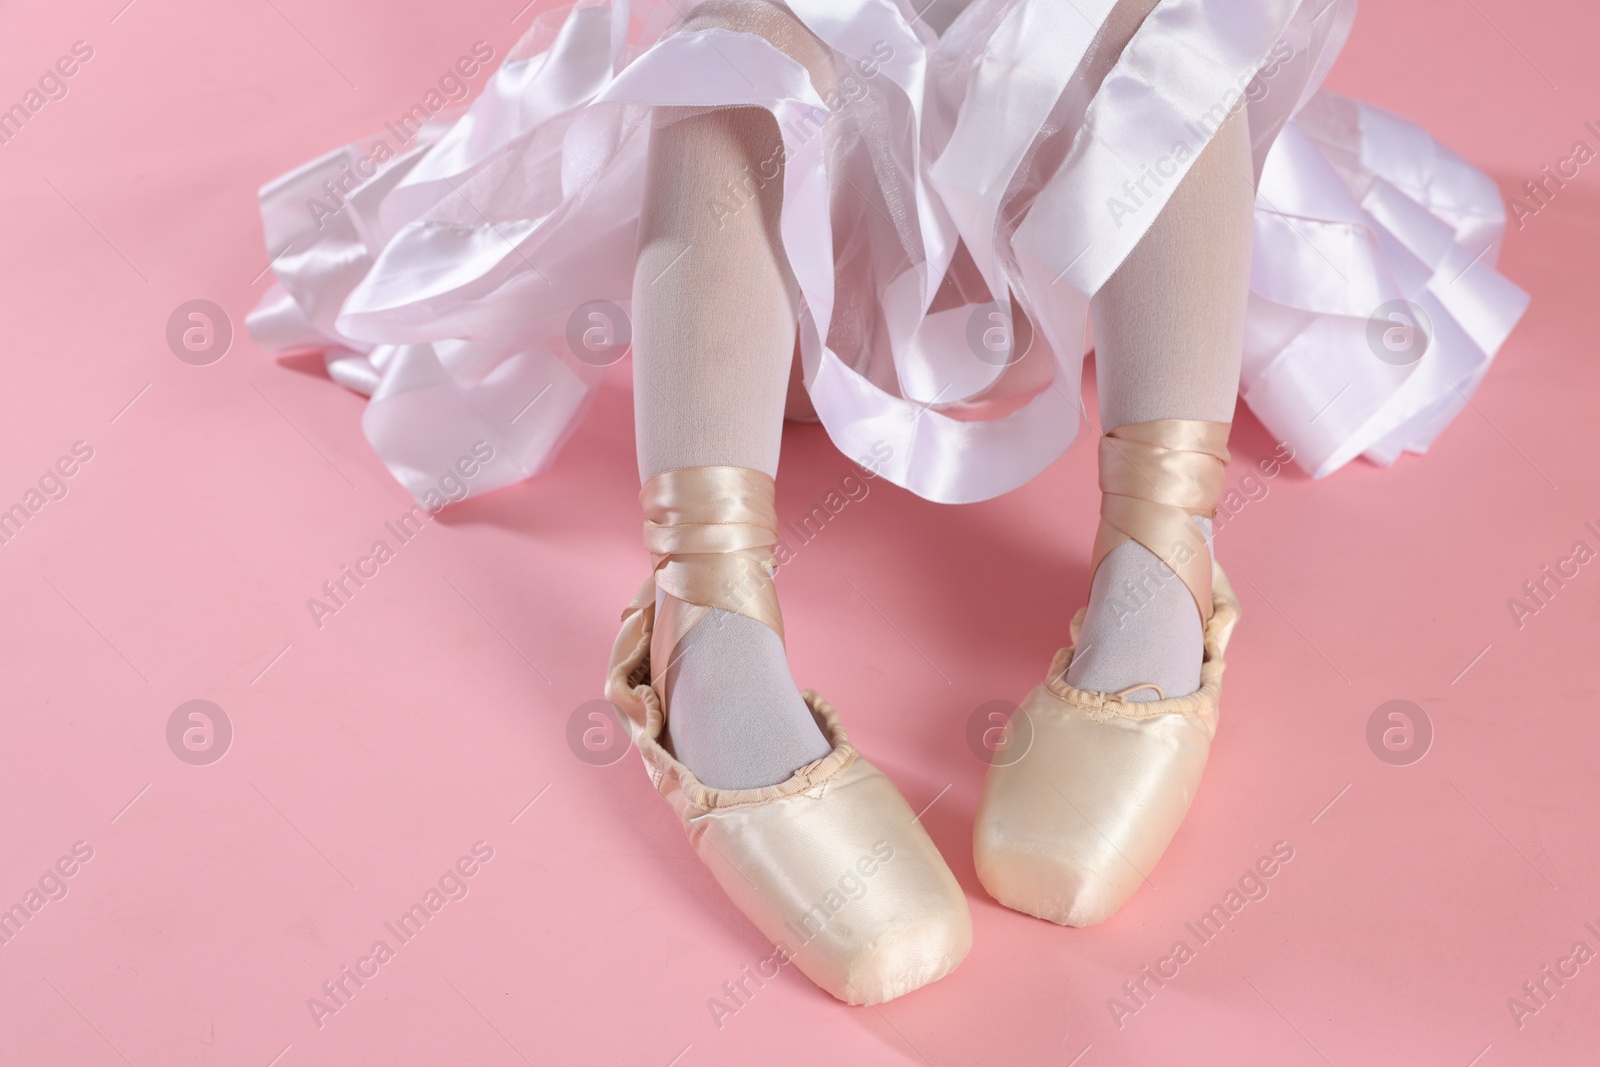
pixel 370 754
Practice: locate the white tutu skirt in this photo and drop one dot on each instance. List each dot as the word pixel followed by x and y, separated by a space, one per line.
pixel 441 268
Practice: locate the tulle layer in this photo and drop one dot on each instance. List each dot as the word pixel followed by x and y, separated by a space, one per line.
pixel 941 184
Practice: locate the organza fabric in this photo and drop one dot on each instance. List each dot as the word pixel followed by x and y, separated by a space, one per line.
pixel 950 205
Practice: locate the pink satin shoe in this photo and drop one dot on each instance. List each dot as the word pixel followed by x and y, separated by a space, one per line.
pixel 1069 827
pixel 832 864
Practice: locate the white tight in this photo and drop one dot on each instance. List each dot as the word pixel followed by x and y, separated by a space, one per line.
pixel 715 305
pixel 714 301
pixel 1169 331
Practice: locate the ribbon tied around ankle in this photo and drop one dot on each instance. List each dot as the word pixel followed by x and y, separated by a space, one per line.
pixel 1154 478
pixel 711 532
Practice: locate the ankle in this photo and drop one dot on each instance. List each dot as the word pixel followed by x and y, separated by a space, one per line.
pixel 733 715
pixel 1150 595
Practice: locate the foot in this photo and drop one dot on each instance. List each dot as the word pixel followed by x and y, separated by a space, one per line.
pixel 737 719
pixel 1141 628
pixel 832 866
pixel 1071 829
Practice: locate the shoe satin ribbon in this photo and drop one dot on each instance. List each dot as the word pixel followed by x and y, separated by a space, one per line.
pixel 1154 476
pixel 711 531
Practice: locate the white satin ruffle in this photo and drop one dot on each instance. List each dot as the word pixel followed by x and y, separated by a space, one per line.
pixel 946 174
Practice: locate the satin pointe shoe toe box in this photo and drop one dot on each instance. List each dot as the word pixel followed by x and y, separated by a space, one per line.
pixel 831 864
pixel 1069 828
pixel 840 876
pixel 1071 839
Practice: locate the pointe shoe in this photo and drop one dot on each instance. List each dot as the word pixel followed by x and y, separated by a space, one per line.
pixel 831 865
pixel 1069 828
